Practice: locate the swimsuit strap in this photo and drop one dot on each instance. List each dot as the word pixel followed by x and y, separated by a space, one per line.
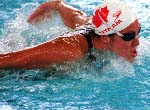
pixel 88 32
pixel 89 40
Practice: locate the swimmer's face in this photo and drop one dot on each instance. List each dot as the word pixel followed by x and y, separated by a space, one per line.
pixel 127 49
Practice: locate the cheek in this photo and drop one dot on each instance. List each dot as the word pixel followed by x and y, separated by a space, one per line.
pixel 125 48
pixel 121 48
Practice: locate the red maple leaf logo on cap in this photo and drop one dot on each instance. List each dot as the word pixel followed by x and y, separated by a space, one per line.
pixel 96 20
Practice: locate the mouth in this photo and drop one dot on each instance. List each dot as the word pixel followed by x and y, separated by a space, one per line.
pixel 134 53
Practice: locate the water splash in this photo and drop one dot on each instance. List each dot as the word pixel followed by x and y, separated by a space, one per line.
pixel 107 67
pixel 19 34
pixel 144 55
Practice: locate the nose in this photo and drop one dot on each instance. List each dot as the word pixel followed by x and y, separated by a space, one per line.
pixel 136 41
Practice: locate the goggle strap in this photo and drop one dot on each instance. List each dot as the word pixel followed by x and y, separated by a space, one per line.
pixel 119 34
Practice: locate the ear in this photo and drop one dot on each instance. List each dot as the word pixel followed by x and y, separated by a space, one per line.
pixel 105 39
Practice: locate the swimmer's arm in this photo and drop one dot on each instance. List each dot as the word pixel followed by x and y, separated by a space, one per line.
pixel 71 16
pixel 57 51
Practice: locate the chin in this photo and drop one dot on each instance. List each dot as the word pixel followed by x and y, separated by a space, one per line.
pixel 131 60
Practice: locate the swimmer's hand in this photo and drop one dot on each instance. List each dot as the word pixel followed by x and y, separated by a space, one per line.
pixel 43 12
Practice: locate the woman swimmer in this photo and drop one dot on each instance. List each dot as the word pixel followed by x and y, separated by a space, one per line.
pixel 109 28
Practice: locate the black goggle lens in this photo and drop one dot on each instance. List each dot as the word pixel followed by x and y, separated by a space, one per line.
pixel 128 36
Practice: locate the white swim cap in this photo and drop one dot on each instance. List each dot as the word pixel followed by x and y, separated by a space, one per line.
pixel 112 16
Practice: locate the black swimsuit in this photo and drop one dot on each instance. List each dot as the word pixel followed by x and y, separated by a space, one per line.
pixel 87 31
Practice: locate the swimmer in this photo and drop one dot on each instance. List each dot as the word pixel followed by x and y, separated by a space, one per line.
pixel 113 26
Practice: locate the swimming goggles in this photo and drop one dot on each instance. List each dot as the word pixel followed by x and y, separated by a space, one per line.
pixel 126 36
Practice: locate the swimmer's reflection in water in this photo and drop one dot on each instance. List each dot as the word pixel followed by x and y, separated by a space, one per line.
pixel 109 28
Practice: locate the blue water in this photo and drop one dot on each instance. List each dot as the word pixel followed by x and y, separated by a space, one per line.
pixel 110 83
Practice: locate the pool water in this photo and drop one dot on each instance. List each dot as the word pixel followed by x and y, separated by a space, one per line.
pixel 109 83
